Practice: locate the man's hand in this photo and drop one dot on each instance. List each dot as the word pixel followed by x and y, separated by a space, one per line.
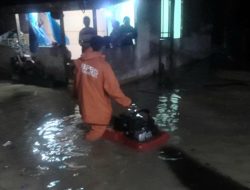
pixel 133 108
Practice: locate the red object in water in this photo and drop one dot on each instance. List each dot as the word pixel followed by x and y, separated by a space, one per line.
pixel 154 143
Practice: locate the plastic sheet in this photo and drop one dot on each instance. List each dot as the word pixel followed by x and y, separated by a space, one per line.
pixel 38 34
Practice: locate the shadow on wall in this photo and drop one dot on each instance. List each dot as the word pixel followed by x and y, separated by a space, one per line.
pixel 129 65
pixel 51 60
pixel 123 59
pixel 5 56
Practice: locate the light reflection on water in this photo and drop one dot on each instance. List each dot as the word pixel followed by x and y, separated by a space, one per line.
pixel 53 184
pixel 167 115
pixel 81 188
pixel 56 141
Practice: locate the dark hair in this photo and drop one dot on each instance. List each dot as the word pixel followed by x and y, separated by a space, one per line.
pixel 96 43
pixel 126 18
pixel 86 18
pixel 86 21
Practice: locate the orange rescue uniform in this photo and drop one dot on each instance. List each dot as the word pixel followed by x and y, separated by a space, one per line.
pixel 95 84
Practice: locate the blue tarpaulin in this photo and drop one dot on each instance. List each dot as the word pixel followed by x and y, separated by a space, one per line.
pixel 56 30
pixel 38 35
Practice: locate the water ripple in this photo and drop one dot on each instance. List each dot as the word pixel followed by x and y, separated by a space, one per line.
pixel 167 115
pixel 57 139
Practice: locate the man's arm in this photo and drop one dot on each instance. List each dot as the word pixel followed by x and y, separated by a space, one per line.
pixel 80 38
pixel 95 32
pixel 76 79
pixel 112 88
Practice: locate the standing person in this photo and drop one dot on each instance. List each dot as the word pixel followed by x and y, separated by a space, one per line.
pixel 95 85
pixel 86 33
pixel 127 32
pixel 115 34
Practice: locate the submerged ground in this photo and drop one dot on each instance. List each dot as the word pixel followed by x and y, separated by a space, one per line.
pixel 42 145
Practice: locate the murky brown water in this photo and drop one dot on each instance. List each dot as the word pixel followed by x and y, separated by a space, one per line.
pixel 168 112
pixel 56 139
pixel 47 149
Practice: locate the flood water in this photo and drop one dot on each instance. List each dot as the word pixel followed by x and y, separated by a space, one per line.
pixel 194 175
pixel 168 112
pixel 42 145
pixel 56 139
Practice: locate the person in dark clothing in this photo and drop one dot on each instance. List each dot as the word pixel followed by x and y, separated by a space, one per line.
pixel 127 32
pixel 115 34
pixel 86 34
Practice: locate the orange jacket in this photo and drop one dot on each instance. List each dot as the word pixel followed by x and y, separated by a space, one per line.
pixel 95 84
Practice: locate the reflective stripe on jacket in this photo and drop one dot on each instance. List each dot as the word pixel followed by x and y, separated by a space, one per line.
pixel 95 84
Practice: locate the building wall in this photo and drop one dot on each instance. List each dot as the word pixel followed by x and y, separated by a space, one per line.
pixel 6 26
pixel 5 62
pixel 53 61
pixel 143 59
pixel 73 23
